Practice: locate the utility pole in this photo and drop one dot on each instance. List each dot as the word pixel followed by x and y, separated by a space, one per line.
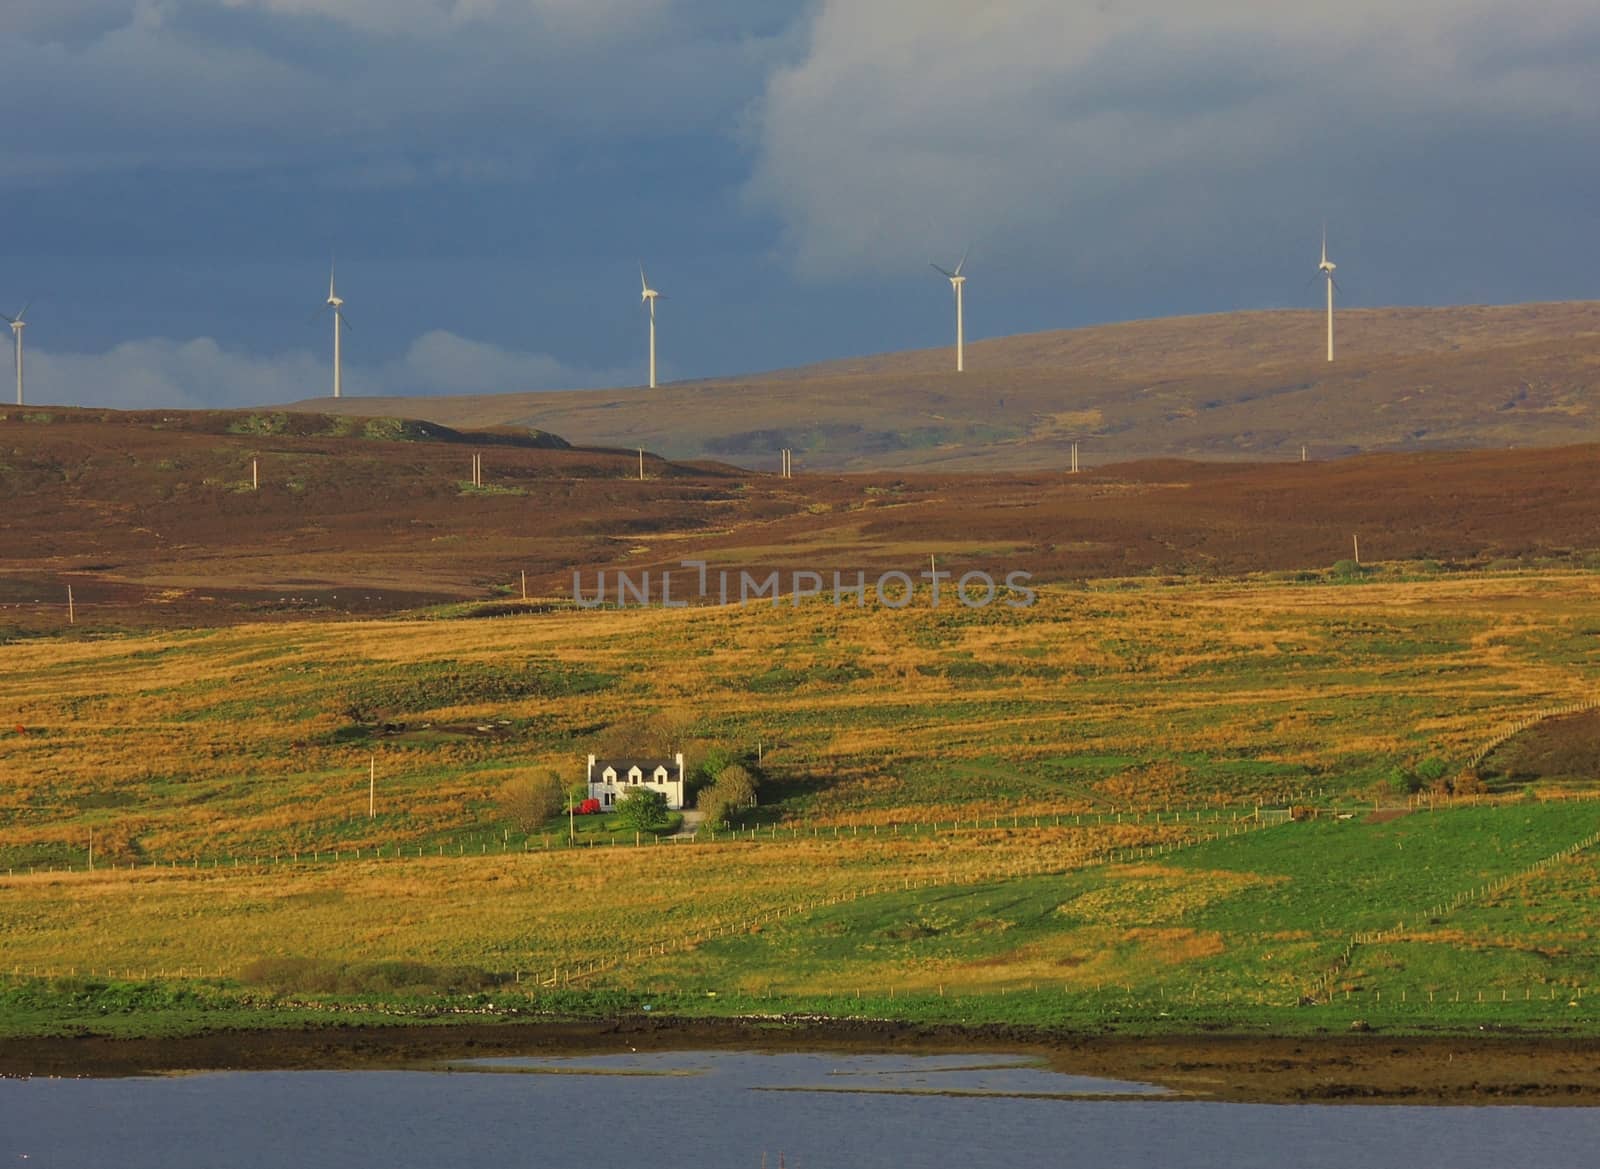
pixel 72 612
pixel 255 474
pixel 524 584
pixel 372 787
pixel 1074 458
pixel 641 464
pixel 1356 540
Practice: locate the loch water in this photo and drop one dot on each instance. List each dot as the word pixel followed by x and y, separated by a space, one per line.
pixel 725 1110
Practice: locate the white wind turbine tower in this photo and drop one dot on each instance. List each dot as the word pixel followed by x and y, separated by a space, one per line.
pixel 1326 269
pixel 17 325
pixel 648 296
pixel 336 303
pixel 957 280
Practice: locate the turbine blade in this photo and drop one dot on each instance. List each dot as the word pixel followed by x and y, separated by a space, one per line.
pixel 23 311
pixel 963 263
pixel 342 321
pixel 942 272
pixel 644 284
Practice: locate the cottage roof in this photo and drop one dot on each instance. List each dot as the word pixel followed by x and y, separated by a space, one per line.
pixel 646 766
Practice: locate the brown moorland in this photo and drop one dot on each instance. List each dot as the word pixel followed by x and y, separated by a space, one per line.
pixel 1565 748
pixel 151 518
pixel 1248 385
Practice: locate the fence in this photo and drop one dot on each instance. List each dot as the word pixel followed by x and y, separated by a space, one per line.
pixel 1510 731
pixel 1476 893
pixel 548 842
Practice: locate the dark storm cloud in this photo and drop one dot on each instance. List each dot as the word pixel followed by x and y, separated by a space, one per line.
pixel 493 169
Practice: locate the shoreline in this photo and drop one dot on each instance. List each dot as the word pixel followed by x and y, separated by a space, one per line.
pixel 1370 1068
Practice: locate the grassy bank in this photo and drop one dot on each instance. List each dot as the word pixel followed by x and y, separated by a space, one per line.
pixel 1041 817
pixel 256 741
pixel 1471 917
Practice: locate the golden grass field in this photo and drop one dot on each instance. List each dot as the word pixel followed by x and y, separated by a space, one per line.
pixel 203 761
pixel 236 741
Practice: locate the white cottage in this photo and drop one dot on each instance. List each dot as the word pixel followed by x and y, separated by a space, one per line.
pixel 610 778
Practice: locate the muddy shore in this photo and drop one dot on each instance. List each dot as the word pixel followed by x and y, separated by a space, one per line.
pixel 1357 1068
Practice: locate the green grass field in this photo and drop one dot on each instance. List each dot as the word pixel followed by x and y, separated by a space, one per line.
pixel 966 815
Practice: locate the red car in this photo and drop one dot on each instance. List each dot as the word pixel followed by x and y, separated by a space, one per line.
pixel 589 808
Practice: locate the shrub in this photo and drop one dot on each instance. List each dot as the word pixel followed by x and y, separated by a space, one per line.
pixel 1430 769
pixel 528 800
pixel 642 809
pixel 734 789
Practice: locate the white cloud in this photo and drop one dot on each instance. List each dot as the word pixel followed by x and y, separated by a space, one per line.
pixel 440 362
pixel 1062 132
pixel 200 374
pixel 163 373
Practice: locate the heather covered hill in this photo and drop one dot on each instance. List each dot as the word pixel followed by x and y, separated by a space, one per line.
pixel 1252 385
pixel 154 518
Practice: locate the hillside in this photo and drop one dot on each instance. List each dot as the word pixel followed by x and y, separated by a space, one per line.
pixel 152 518
pixel 1043 817
pixel 1250 385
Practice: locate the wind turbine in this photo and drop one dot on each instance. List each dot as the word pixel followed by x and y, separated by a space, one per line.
pixel 17 325
pixel 336 302
pixel 648 296
pixel 956 281
pixel 1326 269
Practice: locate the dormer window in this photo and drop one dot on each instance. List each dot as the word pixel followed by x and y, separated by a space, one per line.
pixel 664 775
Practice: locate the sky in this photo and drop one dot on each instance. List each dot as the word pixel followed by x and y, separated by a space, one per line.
pixel 176 177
